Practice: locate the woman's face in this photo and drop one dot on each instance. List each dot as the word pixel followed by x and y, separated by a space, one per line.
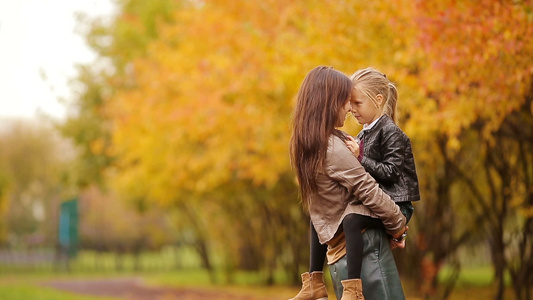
pixel 345 109
pixel 363 108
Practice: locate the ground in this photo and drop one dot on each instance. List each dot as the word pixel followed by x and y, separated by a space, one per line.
pixel 135 289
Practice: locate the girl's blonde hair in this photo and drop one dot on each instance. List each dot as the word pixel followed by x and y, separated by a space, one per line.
pixel 371 82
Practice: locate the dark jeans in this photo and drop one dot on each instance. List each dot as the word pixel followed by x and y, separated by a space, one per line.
pixel 379 274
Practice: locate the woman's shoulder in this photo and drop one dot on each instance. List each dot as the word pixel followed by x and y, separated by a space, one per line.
pixel 337 138
pixel 337 145
pixel 338 156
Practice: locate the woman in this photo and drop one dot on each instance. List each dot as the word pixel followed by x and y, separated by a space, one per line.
pixel 332 181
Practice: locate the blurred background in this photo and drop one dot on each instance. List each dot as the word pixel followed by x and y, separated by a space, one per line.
pixel 150 139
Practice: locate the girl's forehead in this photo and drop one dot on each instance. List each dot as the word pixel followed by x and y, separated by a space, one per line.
pixel 357 94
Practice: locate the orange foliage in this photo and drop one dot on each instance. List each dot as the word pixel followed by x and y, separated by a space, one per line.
pixel 211 103
pixel 479 61
pixel 201 104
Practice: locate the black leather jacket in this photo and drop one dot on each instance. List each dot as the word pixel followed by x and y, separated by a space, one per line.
pixel 388 157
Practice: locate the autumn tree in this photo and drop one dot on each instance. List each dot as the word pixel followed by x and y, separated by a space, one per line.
pixel 205 120
pixel 194 115
pixel 130 32
pixel 33 164
pixel 110 225
pixel 477 79
pixel 117 41
pixel 4 201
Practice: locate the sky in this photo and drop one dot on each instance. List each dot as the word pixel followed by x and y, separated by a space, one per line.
pixel 39 48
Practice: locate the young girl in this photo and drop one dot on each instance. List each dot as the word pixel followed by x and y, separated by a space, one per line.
pixel 385 152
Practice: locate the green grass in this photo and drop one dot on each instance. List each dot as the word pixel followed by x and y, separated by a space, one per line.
pixel 473 276
pixel 179 269
pixel 17 290
pixel 472 285
pixel 101 262
pixel 29 286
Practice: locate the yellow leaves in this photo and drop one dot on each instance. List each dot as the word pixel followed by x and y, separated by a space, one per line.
pixel 526 212
pixel 97 146
pixel 453 144
pixel 212 101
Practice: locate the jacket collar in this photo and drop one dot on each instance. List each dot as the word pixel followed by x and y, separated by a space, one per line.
pixel 377 123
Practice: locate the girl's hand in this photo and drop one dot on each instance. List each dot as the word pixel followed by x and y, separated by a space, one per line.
pixel 394 244
pixel 353 145
pixel 399 240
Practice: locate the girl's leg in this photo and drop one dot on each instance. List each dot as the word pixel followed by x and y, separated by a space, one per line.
pixel 352 226
pixel 318 252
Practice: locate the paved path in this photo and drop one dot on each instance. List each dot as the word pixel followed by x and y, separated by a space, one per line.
pixel 135 289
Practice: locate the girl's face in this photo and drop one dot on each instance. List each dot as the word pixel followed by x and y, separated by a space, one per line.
pixel 345 109
pixel 364 109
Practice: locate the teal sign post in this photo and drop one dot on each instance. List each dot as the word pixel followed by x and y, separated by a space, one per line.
pixel 68 227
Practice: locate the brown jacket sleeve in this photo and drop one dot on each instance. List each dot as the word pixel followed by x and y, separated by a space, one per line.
pixel 344 168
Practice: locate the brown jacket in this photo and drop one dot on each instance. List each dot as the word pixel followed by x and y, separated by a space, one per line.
pixel 345 187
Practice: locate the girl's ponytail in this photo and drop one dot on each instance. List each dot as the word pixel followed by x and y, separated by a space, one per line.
pixel 389 108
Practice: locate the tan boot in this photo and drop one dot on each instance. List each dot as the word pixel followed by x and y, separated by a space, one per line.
pixel 313 287
pixel 353 289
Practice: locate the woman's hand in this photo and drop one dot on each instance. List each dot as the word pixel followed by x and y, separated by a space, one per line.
pixel 353 145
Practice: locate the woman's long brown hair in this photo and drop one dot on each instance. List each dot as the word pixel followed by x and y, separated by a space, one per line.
pixel 322 94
